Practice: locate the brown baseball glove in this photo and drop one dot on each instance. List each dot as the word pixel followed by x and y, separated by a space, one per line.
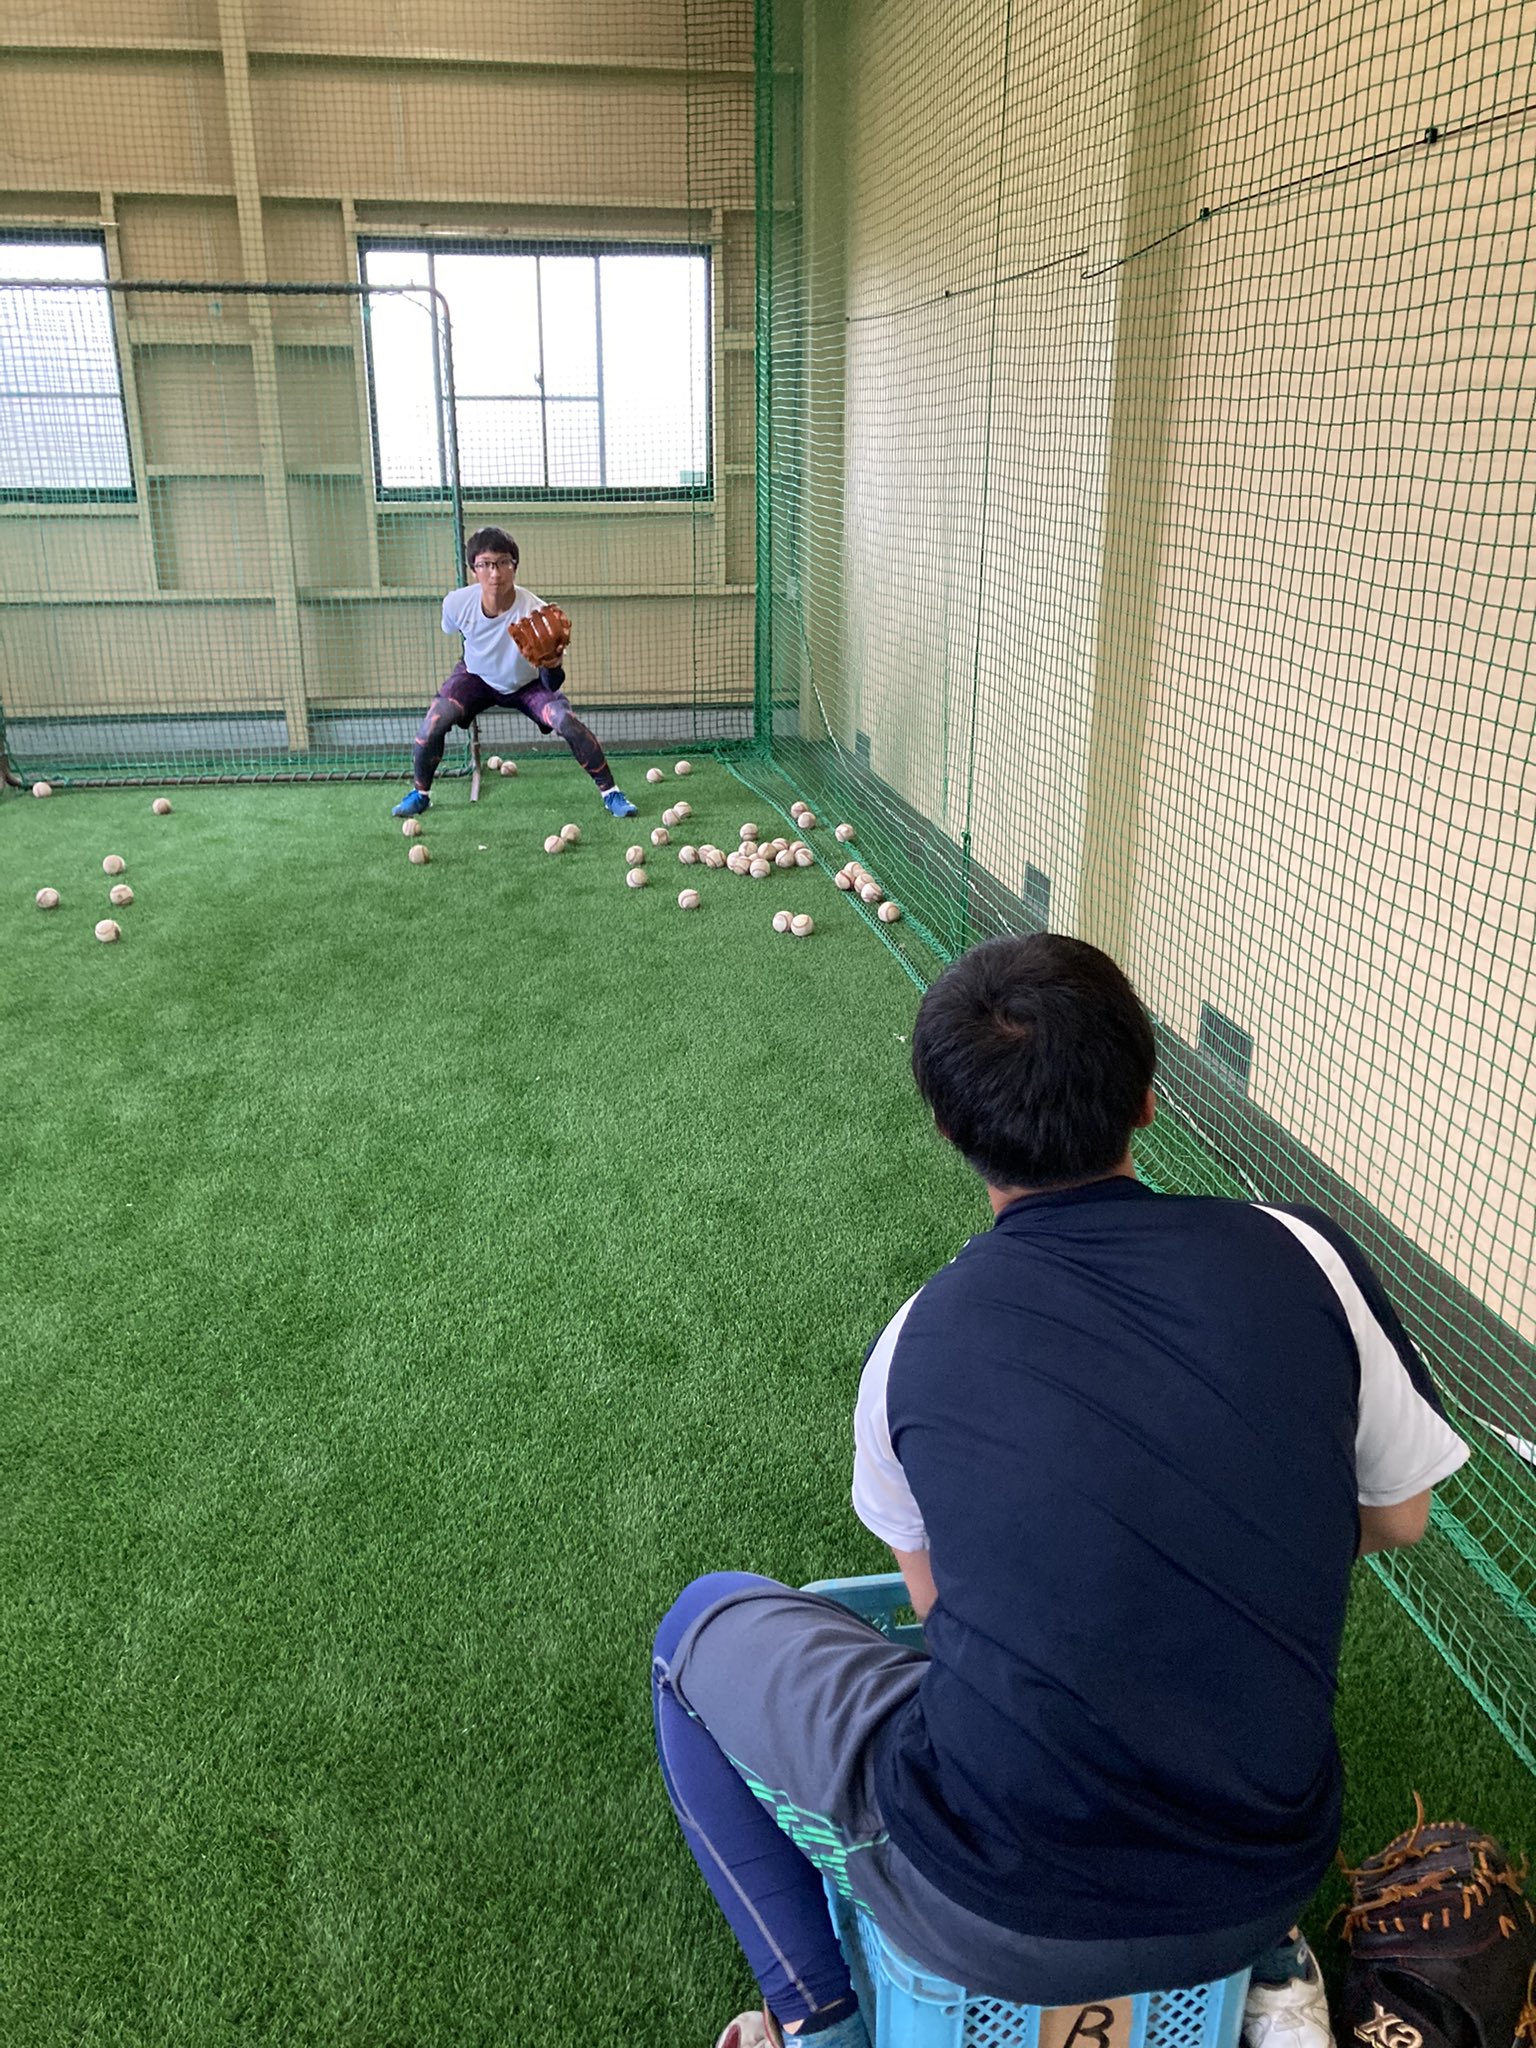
pixel 1442 1944
pixel 543 636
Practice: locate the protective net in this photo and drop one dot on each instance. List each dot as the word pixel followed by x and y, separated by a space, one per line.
pixel 430 275
pixel 1144 509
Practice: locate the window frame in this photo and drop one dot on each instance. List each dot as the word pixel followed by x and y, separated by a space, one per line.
pixel 78 494
pixel 432 244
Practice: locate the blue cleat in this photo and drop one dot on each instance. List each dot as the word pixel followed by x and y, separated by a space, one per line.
pixel 618 805
pixel 412 804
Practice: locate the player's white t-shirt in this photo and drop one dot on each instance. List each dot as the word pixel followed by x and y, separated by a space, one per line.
pixel 490 652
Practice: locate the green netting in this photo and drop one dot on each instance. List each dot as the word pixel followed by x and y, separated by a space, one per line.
pixel 1144 516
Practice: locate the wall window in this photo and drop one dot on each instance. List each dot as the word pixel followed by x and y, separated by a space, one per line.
pixel 578 371
pixel 63 431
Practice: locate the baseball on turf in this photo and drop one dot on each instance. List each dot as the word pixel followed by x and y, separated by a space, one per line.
pixel 121 896
pixel 712 857
pixel 493 762
pixel 760 869
pixel 571 834
pixel 108 930
pixel 688 899
pixel 843 880
pixel 784 858
pixel 418 856
pixel 688 855
pixel 412 828
pixel 661 836
pixel 42 789
pixel 807 821
pixel 637 878
pixel 804 858
pixel 509 767
pixel 802 926
pixel 682 810
pixel 654 775
pixel 554 843
pixel 843 832
pixel 797 807
pixel 888 912
pixel 871 892
pixel 683 768
pixel 47 899
pixel 750 832
pixel 161 807
pixel 113 864
pixel 782 919
pixel 669 817
pixel 635 857
pixel 736 863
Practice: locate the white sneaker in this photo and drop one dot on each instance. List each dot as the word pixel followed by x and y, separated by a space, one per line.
pixel 1289 2015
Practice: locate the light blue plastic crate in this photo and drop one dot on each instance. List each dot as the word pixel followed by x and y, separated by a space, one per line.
pixel 908 2007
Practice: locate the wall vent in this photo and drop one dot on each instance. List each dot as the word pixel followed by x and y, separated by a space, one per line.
pixel 1229 1049
pixel 1037 898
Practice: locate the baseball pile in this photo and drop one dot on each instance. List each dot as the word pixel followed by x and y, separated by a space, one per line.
pixel 120 895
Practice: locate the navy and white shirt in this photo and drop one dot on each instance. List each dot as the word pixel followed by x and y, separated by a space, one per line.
pixel 1132 1430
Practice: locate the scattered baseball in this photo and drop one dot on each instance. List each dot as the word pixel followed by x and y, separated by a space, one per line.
pixel 108 930
pixel 42 789
pixel 161 807
pixel 669 817
pixel 634 857
pixel 683 768
pixel 637 878
pixel 121 896
pixel 807 821
pixel 804 858
pixel 796 808
pixel 554 843
pixel 802 926
pixel 688 855
pixel 843 832
pixel 750 832
pixel 681 811
pixel 493 762
pixel 654 775
pixel 688 900
pixel 871 893
pixel 571 834
pixel 661 836
pixel 888 912
pixel 782 919
pixel 736 863
pixel 412 828
pixel 711 856
pixel 509 767
pixel 760 869
pixel 113 864
pixel 784 858
pixel 47 899
pixel 418 855
pixel 843 880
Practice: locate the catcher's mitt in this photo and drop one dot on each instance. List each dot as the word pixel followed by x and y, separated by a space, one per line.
pixel 1442 1944
pixel 543 636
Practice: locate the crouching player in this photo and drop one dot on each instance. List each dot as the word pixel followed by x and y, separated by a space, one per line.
pixel 513 644
pixel 1126 1448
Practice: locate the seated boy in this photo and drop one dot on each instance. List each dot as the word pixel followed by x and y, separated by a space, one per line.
pixel 1125 1448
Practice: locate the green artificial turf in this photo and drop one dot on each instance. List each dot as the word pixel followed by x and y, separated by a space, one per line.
pixel 413 1276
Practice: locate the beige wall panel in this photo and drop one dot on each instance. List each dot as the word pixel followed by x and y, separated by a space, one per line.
pixel 103 553
pixel 560 549
pixel 555 223
pixel 372 653
pixel 161 657
pixel 198 407
pixel 84 207
pixel 307 244
pixel 736 274
pixel 118 121
pixel 441 132
pixel 317 400
pixel 165 237
pixel 1338 846
pixel 740 502
pixel 328 518
pixel 577 32
pixel 82 21
pixel 210 534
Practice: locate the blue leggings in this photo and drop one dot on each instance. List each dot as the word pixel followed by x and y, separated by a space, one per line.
pixel 771 1894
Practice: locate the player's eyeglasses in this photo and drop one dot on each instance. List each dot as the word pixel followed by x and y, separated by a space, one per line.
pixel 496 562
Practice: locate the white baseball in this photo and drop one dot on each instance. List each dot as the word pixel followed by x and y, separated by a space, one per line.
pixel 802 926
pixel 760 869
pixel 121 896
pixel 843 880
pixel 750 832
pixel 634 857
pixel 654 775
pixel 661 836
pixel 554 843
pixel 108 930
pixel 113 864
pixel 688 899
pixel 47 899
pixel 161 807
pixel 711 856
pixel 637 878
pixel 888 913
pixel 784 858
pixel 807 821
pixel 411 827
pixel 843 832
pixel 782 920
pixel 804 858
pixel 493 762
pixel 42 789
pixel 688 855
pixel 797 807
pixel 418 855
pixel 509 767
pixel 683 768
pixel 682 811
pixel 871 892
pixel 571 834
pixel 669 817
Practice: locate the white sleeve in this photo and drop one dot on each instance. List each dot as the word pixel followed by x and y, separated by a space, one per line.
pixel 450 623
pixel 1402 1442
pixel 882 1499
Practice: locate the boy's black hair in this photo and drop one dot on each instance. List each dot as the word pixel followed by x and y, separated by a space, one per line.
pixel 490 540
pixel 1035 1056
